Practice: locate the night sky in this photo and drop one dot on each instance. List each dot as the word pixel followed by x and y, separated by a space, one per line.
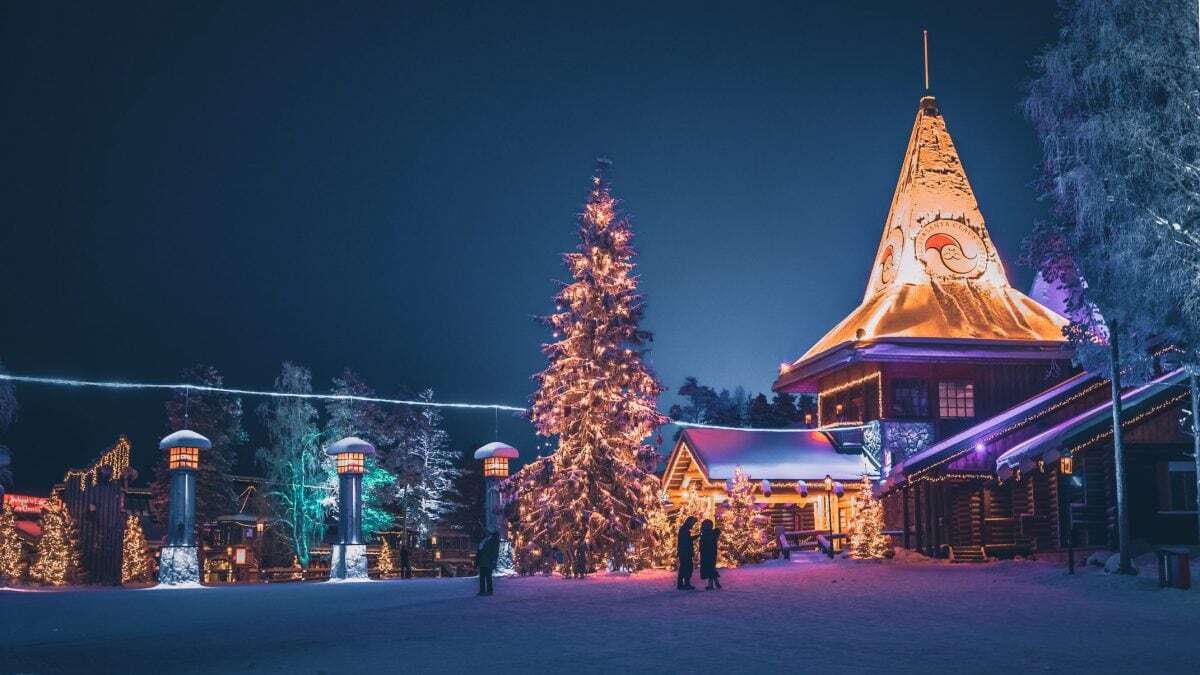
pixel 389 187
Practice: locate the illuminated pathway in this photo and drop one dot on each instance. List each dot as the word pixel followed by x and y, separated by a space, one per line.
pixel 931 617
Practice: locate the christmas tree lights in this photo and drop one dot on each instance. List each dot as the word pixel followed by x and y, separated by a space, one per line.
pixel 595 497
pixel 135 562
pixel 11 567
pixel 745 533
pixel 867 540
pixel 386 564
pixel 57 559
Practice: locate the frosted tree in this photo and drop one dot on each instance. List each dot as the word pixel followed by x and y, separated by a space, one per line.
pixel 1092 101
pixel 217 417
pixel 56 562
pixel 299 473
pixel 11 567
pixel 135 560
pixel 745 532
pixel 433 465
pixel 867 540
pixel 593 497
pixel 8 415
pixel 370 422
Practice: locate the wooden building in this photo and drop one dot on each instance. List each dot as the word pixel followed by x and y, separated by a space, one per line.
pixel 959 389
pixel 95 498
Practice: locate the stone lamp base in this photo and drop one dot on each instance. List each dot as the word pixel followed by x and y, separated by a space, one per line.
pixel 348 561
pixel 178 565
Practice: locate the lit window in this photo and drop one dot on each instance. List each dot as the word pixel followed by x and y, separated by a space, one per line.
pixel 910 398
pixel 956 399
pixel 350 462
pixel 184 458
pixel 495 467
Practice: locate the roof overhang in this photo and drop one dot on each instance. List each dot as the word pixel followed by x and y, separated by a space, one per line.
pixel 802 376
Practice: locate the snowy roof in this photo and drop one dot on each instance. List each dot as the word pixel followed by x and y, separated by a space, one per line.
pixel 1048 443
pixel 184 438
pixel 937 273
pixel 350 444
pixel 968 437
pixel 799 455
pixel 497 449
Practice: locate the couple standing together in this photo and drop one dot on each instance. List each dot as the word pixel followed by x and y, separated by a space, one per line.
pixel 708 554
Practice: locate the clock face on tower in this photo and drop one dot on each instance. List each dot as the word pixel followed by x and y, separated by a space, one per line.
pixel 951 250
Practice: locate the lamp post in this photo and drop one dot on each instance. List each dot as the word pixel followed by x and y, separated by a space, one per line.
pixel 495 456
pixel 179 561
pixel 829 502
pixel 348 558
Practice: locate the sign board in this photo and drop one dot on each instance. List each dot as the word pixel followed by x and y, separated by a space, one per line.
pixel 25 503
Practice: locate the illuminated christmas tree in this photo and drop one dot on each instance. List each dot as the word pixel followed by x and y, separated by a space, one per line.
pixel 385 565
pixel 57 559
pixel 745 536
pixel 867 540
pixel 135 562
pixel 11 568
pixel 662 530
pixel 594 498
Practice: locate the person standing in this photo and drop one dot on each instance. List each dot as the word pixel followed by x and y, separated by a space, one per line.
pixel 486 557
pixel 709 536
pixel 405 567
pixel 684 550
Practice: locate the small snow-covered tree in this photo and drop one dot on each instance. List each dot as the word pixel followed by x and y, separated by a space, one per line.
pixel 867 540
pixel 12 569
pixel 135 560
pixel 745 533
pixel 300 474
pixel 433 467
pixel 56 562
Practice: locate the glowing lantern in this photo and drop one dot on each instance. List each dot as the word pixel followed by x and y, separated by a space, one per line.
pixel 828 483
pixel 183 449
pixel 495 458
pixel 1066 465
pixel 183 459
pixel 351 462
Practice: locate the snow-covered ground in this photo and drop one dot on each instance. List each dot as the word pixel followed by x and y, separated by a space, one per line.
pixel 807 616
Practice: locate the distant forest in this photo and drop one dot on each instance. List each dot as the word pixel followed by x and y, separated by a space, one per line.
pixel 705 405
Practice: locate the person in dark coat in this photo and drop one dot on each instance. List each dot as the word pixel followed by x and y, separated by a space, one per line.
pixel 405 567
pixel 486 557
pixel 709 536
pixel 685 552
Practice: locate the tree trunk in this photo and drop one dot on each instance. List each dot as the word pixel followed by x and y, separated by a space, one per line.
pixel 1126 566
pixel 1195 387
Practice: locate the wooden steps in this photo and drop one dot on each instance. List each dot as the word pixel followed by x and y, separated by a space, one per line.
pixel 967 554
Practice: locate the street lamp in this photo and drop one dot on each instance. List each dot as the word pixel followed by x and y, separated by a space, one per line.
pixel 179 561
pixel 829 502
pixel 495 457
pixel 349 555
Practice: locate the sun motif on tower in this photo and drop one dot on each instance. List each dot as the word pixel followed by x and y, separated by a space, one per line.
pixel 950 249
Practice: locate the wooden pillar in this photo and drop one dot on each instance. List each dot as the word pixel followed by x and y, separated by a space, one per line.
pixel 930 520
pixel 904 503
pixel 917 521
pixel 985 507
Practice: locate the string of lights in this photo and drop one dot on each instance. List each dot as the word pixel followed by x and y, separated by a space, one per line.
pixel 106 384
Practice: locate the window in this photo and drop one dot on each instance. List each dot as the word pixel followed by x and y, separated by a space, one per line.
pixel 1182 486
pixel 956 399
pixel 910 398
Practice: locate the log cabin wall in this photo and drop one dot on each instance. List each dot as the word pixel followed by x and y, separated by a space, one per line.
pixel 99 514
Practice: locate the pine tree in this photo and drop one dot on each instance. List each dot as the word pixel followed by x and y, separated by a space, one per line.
pixel 593 498
pixel 8 414
pixel 745 533
pixel 56 562
pixel 135 561
pixel 431 496
pixel 867 540
pixel 11 567
pixel 302 476
pixel 386 564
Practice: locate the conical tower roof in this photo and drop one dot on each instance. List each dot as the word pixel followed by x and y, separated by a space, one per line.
pixel 937 274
